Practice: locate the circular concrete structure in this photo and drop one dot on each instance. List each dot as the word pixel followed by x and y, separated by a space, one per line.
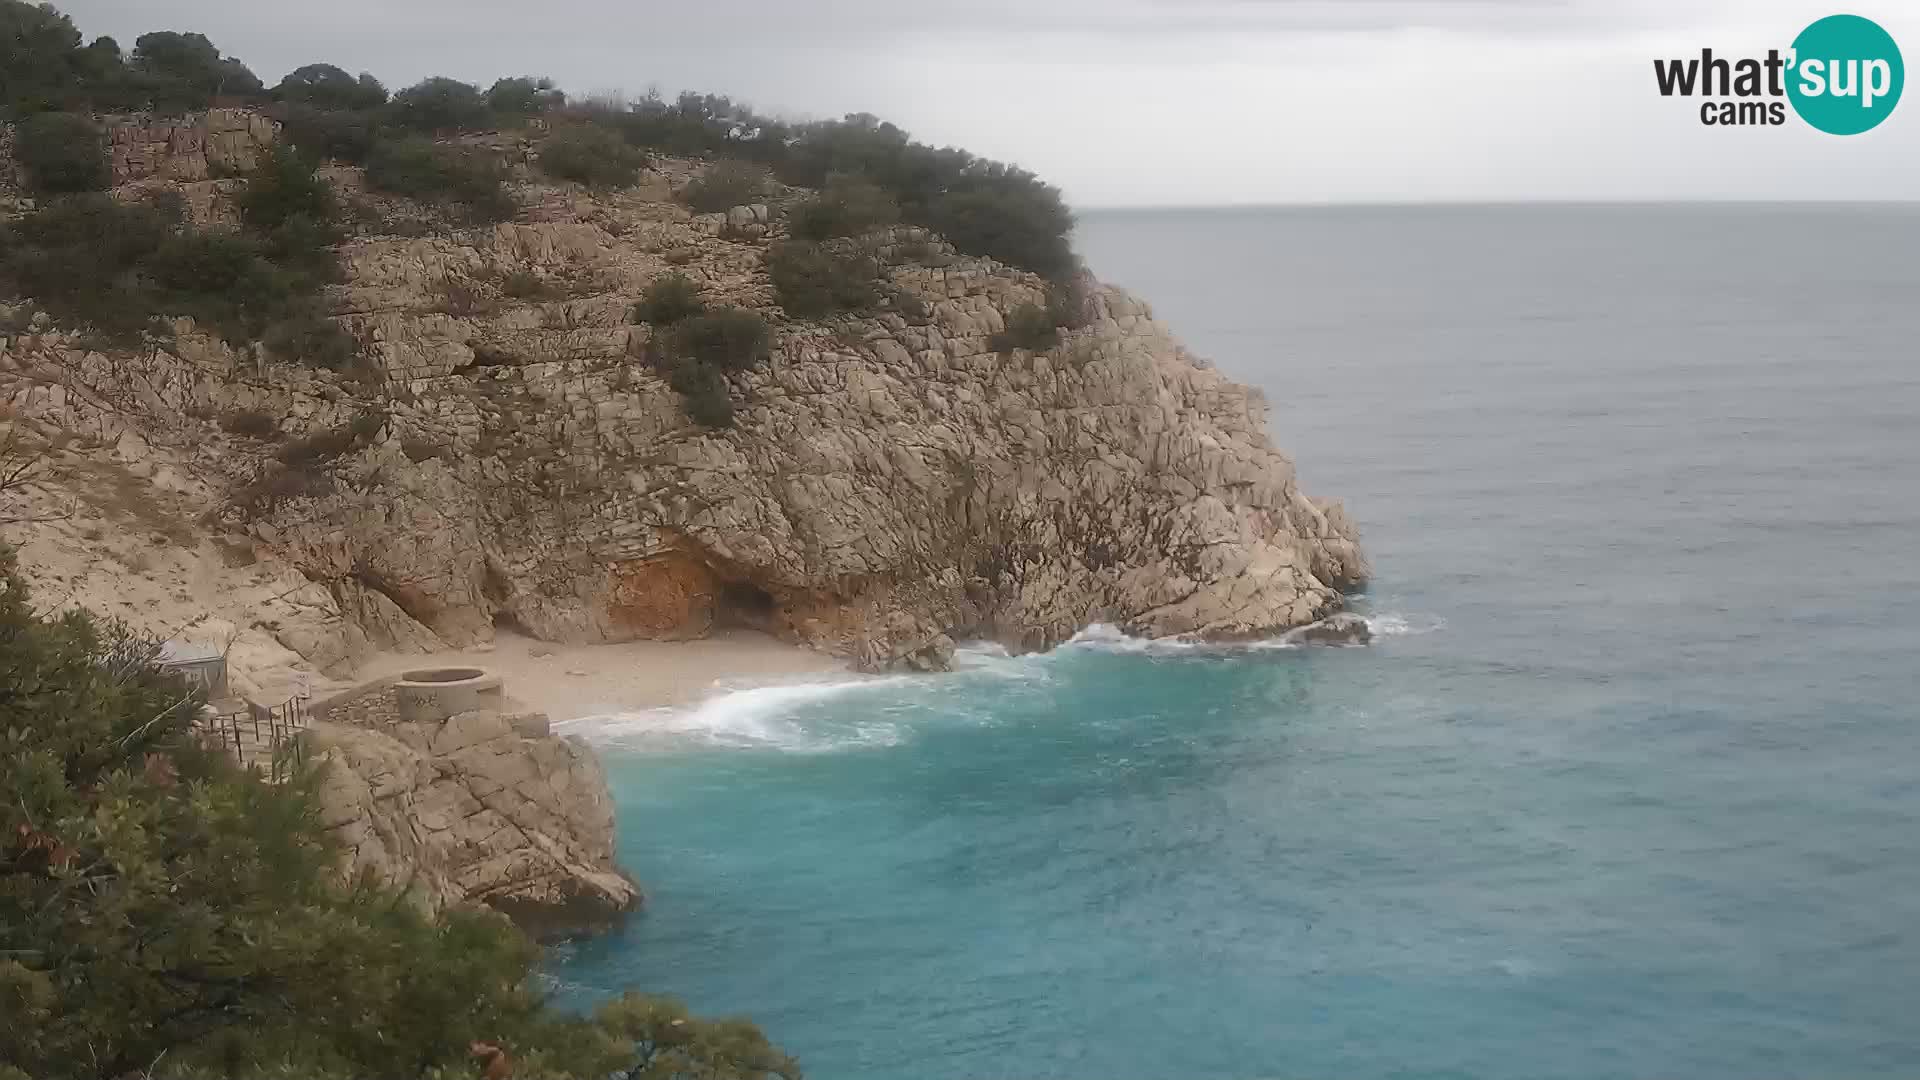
pixel 431 695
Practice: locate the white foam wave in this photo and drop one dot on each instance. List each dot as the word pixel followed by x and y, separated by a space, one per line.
pixel 1105 637
pixel 749 716
pixel 1393 624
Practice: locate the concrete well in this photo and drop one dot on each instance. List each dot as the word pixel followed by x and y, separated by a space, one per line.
pixel 431 695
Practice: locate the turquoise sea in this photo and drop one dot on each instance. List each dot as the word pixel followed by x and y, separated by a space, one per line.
pixel 1629 786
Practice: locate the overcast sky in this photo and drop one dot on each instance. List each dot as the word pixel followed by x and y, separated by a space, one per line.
pixel 1158 102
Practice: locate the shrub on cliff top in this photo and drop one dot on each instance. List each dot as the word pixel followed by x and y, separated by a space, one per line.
pixel 813 280
pixel 725 185
pixel 668 300
pixel 63 153
pixel 440 104
pixel 329 87
pixel 592 156
pixel 421 169
pixel 334 134
pixel 703 390
pixel 164 914
pixel 847 206
pixel 1030 327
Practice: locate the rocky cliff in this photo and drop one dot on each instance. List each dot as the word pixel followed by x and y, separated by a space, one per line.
pixel 480 808
pixel 893 482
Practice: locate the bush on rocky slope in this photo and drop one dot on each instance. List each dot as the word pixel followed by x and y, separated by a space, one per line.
pixel 813 281
pixel 469 180
pixel 592 156
pixel 669 299
pixel 847 206
pixel 63 153
pixel 724 185
pixel 165 915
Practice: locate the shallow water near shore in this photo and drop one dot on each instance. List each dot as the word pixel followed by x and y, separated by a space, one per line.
pixel 1626 787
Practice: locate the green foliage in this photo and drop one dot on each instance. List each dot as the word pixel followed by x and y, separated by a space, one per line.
pixel 63 153
pixel 294 209
pixel 164 914
pixel 186 71
pixel 668 300
pixel 703 392
pixel 592 156
pixel 327 87
pixel 725 185
pixel 982 207
pixel 313 340
pixel 730 339
pixel 222 279
pixel 421 169
pixel 93 262
pixel 702 125
pixel 39 58
pixel 440 104
pixel 847 206
pixel 816 280
pixel 334 134
pixel 524 96
pixel 82 259
pixel 657 1039
pixel 1030 327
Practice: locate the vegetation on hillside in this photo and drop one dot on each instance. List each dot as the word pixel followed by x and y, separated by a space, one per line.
pixel 165 915
pixel 868 173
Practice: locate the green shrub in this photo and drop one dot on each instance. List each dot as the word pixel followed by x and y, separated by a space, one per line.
pixel 1030 327
pixel 814 280
pixel 63 153
pixel 420 169
pixel 295 211
pixel 313 340
pixel 592 156
pixel 166 914
pixel 223 280
pixel 330 134
pixel 725 185
pixel 328 87
pixel 440 104
pixel 668 300
pixel 847 206
pixel 524 96
pixel 81 259
pixel 703 393
pixel 730 339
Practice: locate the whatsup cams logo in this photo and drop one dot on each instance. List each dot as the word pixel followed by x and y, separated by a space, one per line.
pixel 1843 75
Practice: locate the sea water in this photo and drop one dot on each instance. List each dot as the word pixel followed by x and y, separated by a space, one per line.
pixel 1628 786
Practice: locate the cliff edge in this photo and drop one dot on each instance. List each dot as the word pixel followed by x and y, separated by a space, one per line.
pixel 514 455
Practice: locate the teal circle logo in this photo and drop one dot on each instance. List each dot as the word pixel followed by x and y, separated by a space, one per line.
pixel 1846 75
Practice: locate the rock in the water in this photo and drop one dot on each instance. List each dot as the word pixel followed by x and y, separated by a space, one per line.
pixel 1345 628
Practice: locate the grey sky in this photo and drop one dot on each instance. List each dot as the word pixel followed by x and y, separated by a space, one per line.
pixel 1140 102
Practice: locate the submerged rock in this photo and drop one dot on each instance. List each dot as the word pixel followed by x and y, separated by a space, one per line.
pixel 1345 628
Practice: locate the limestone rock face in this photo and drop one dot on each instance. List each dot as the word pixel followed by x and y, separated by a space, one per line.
pixel 477 809
pixel 893 481
pixel 193 148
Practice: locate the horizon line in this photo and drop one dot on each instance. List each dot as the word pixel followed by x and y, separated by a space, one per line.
pixel 1331 204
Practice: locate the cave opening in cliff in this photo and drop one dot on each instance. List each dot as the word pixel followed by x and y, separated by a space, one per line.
pixel 744 604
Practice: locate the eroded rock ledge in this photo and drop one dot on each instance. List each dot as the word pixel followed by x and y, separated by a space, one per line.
pixel 482 808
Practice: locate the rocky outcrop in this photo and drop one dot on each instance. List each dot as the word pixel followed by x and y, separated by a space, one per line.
pixel 894 481
pixel 480 808
pixel 189 149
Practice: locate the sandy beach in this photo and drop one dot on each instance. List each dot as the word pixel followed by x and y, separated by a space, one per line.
pixel 570 681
